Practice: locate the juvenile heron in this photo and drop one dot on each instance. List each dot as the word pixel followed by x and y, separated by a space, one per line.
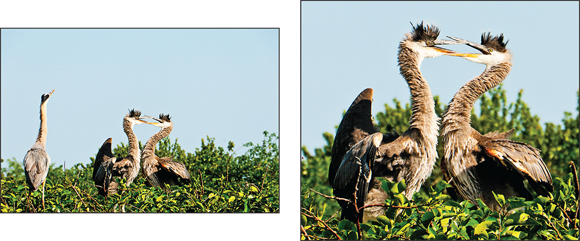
pixel 360 153
pixel 107 166
pixel 36 161
pixel 160 171
pixel 477 165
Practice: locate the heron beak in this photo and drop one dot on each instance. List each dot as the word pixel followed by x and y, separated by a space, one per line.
pixel 481 48
pixel 151 117
pixel 443 50
pixel 140 119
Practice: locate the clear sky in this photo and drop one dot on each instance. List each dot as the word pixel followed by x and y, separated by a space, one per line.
pixel 220 83
pixel 350 46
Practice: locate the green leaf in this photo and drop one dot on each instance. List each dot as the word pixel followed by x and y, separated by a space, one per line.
pixel 542 200
pixel 499 198
pixel 346 224
pixel 383 220
pixel 516 202
pixel 427 217
pixel 482 227
pixel 472 222
pixel 452 203
pixel 516 219
pixel 463 233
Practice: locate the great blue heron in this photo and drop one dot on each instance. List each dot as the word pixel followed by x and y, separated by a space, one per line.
pixel 160 171
pixel 477 165
pixel 410 156
pixel 36 161
pixel 107 166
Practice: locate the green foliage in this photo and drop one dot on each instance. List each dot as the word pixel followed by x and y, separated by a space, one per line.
pixel 221 182
pixel 436 215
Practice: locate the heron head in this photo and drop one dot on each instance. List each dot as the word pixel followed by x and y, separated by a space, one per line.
pixel 45 97
pixel 134 116
pixel 423 39
pixel 493 49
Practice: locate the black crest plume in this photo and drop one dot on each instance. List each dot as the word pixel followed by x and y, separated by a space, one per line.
pixel 495 42
pixel 164 117
pixel 134 113
pixel 424 32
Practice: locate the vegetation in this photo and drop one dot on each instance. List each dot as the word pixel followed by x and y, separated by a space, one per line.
pixel 432 214
pixel 221 182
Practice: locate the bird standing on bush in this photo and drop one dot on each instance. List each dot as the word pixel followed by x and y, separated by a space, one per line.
pixel 36 161
pixel 477 165
pixel 106 166
pixel 410 156
pixel 160 171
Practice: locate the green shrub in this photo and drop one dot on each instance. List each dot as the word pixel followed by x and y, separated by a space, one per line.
pixel 221 182
pixel 436 215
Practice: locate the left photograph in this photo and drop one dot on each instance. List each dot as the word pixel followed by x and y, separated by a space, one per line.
pixel 140 120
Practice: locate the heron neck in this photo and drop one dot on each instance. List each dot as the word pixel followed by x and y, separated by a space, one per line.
pixel 149 149
pixel 423 105
pixel 459 109
pixel 43 125
pixel 133 142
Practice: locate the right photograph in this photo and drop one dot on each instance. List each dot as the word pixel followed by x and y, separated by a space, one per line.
pixel 439 120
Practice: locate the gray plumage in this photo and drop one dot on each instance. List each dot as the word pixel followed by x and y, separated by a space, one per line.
pixel 410 156
pixel 36 161
pixel 475 164
pixel 107 166
pixel 160 171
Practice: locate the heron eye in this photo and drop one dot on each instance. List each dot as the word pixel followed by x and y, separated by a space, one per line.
pixel 490 50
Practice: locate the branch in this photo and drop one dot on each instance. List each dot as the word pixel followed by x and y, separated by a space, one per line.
pixel 73 187
pixel 577 188
pixel 390 206
pixel 331 197
pixel 568 217
pixel 304 231
pixel 263 179
pixel 95 201
pixel 554 226
pixel 136 208
pixel 320 220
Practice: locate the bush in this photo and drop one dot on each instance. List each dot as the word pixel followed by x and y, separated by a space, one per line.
pixel 221 182
pixel 436 215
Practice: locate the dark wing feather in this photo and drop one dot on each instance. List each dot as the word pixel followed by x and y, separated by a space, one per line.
pixel 175 168
pixel 355 173
pixel 356 124
pixel 525 159
pixel 105 152
pixel 36 163
pixel 103 175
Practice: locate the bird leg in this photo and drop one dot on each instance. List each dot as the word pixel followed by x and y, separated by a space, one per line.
pixel 43 184
pixel 30 205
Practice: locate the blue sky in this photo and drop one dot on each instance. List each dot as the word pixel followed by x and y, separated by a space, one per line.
pixel 350 46
pixel 221 83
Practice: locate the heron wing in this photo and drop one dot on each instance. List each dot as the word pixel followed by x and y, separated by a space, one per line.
pixel 103 175
pixel 355 173
pixel 356 124
pixel 104 170
pixel 525 159
pixel 121 168
pixel 105 152
pixel 395 156
pixel 174 167
pixel 497 135
pixel 36 162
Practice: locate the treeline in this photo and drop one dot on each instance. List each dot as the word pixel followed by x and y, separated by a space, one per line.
pixel 435 215
pixel 222 181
